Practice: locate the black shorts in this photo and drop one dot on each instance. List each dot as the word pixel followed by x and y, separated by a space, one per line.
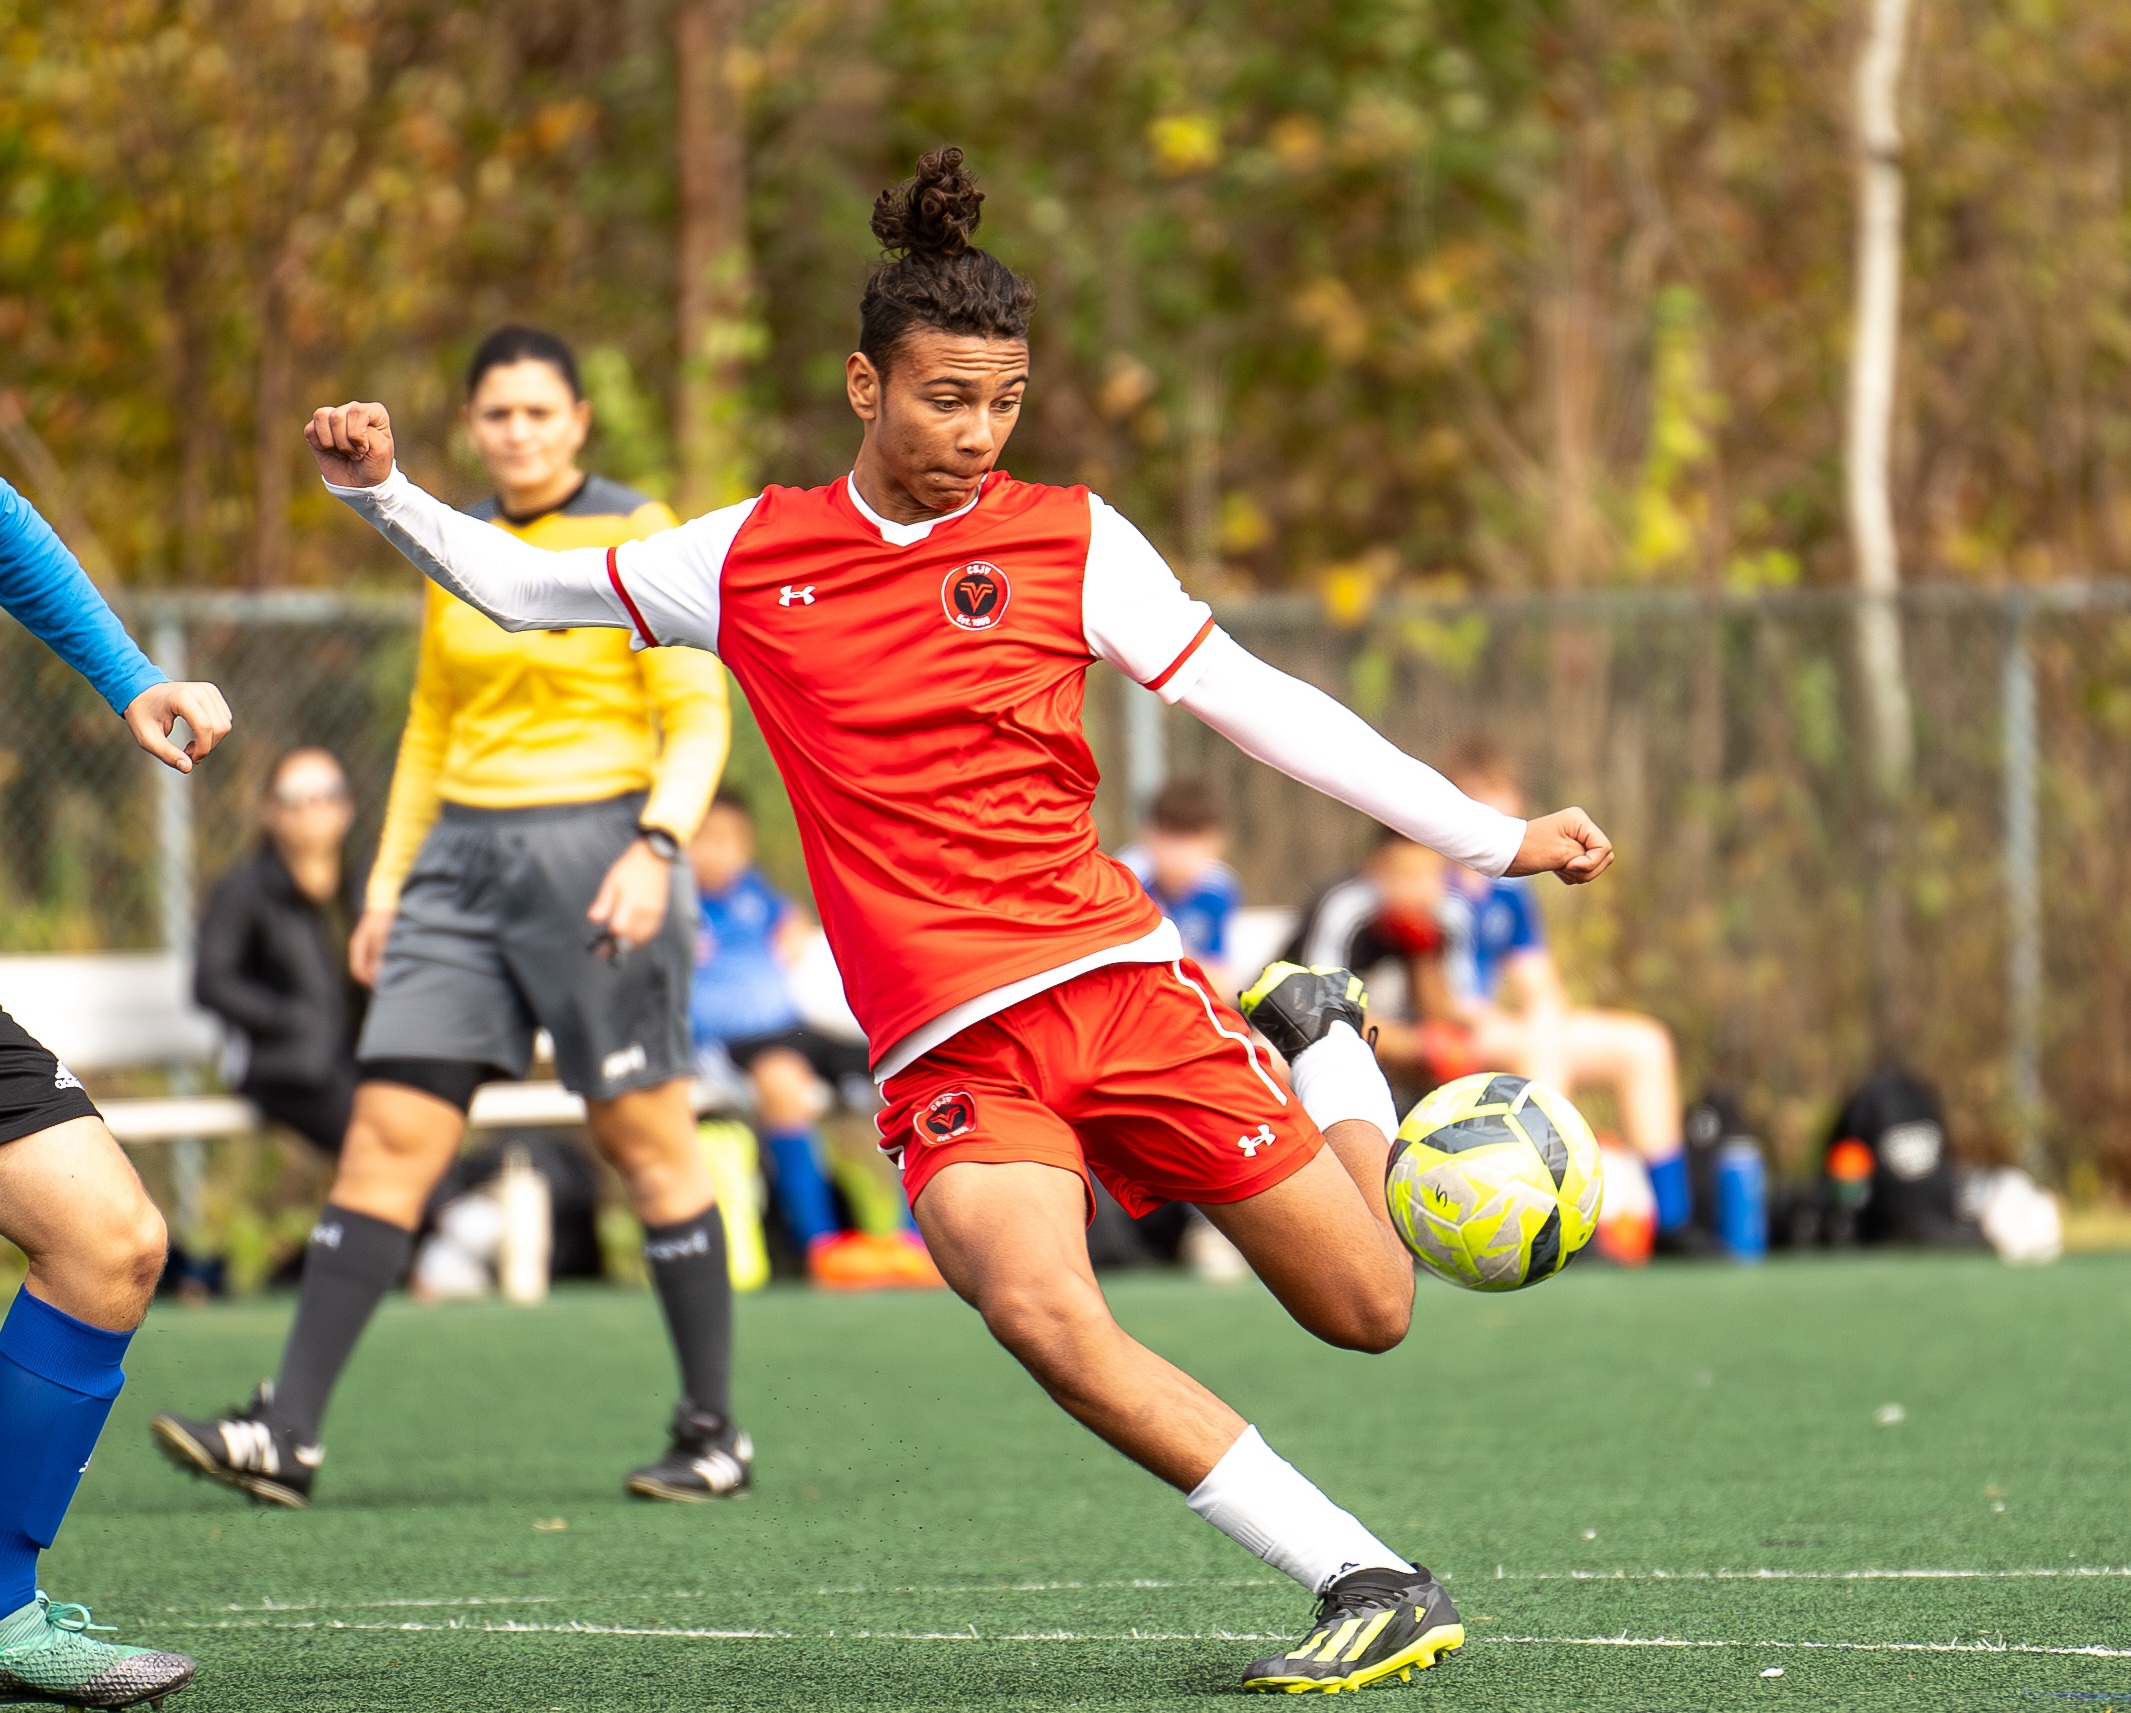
pixel 36 1090
pixel 831 1060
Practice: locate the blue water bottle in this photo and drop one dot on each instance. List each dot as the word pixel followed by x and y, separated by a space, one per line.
pixel 1742 1199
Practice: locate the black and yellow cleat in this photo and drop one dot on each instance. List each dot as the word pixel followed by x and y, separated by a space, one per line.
pixel 1295 1008
pixel 1370 1625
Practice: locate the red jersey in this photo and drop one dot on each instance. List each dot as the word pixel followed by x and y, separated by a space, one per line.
pixel 920 687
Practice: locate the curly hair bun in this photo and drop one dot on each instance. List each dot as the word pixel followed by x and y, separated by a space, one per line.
pixel 933 213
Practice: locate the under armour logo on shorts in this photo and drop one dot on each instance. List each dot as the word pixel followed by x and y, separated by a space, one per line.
pixel 326 1236
pixel 630 1058
pixel 1251 1144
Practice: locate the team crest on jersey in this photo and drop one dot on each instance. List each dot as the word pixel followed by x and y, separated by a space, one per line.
pixel 975 596
pixel 946 1116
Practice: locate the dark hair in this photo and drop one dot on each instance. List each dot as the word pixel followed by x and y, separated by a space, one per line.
pixel 1185 806
pixel 515 344
pixel 939 279
pixel 1480 761
pixel 727 798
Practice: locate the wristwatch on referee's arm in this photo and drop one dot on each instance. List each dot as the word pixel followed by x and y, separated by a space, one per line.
pixel 663 844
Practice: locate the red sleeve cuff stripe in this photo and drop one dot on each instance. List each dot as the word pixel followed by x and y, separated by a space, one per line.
pixel 614 576
pixel 1169 672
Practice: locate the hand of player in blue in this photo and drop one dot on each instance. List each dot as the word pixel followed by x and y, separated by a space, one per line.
pixel 352 444
pixel 151 715
pixel 1568 843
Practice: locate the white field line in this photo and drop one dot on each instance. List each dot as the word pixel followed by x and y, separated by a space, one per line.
pixel 861 1590
pixel 2040 1573
pixel 269 1604
pixel 972 1634
pixel 1950 1647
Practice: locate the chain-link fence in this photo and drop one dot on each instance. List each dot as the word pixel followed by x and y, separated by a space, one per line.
pixel 1716 741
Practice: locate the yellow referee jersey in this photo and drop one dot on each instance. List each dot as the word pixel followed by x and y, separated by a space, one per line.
pixel 504 720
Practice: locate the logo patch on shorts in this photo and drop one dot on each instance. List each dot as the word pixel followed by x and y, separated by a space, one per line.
pixel 975 597
pixel 630 1058
pixel 1251 1144
pixel 946 1116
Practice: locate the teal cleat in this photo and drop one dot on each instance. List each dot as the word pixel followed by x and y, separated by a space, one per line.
pixel 47 1655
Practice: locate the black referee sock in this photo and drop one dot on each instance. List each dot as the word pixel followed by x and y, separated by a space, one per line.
pixel 695 1289
pixel 352 1262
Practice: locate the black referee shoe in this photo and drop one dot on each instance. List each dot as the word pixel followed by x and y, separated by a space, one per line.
pixel 1370 1625
pixel 245 1449
pixel 1295 1008
pixel 708 1459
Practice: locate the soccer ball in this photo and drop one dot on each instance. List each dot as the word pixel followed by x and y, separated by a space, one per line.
pixel 1495 1182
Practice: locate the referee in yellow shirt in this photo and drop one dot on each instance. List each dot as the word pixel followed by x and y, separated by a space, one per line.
pixel 527 878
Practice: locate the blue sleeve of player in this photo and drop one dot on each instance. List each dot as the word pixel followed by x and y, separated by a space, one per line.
pixel 44 586
pixel 1527 934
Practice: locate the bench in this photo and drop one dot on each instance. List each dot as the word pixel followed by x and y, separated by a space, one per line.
pixel 126 1011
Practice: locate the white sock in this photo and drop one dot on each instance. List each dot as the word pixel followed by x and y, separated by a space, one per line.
pixel 1337 1079
pixel 1262 1503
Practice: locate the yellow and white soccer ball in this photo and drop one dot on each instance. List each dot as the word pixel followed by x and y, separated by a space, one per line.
pixel 1495 1182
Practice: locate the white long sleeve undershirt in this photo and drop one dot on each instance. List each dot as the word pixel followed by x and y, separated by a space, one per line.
pixel 1308 736
pixel 1138 617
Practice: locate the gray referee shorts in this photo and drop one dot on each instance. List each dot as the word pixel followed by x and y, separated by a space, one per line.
pixel 491 943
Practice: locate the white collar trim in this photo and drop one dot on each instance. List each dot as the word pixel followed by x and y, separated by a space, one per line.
pixel 903 534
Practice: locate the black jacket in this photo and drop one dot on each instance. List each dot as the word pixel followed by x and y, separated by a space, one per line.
pixel 268 966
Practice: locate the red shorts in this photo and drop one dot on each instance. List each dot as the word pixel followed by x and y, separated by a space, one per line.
pixel 1135 1072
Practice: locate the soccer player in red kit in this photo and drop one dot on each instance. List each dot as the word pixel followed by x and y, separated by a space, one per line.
pixel 914 639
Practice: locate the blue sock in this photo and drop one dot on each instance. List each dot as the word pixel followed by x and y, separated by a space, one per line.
pixel 1668 1181
pixel 802 1186
pixel 58 1377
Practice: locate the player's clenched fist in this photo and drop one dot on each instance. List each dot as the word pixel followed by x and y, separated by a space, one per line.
pixel 1568 843
pixel 352 444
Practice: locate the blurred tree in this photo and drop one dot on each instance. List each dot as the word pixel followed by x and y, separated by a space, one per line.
pixel 1369 283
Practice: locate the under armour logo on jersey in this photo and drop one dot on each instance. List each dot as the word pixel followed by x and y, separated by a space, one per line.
pixel 1251 1144
pixel 787 595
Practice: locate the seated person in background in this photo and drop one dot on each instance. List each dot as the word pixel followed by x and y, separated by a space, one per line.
pixel 1498 949
pixel 741 1003
pixel 1177 859
pixel 1386 926
pixel 272 960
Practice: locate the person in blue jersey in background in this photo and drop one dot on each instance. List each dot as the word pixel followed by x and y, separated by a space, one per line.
pixel 1495 949
pixel 69 1198
pixel 1177 859
pixel 742 1006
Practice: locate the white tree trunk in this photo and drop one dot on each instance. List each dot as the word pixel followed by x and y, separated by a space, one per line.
pixel 1874 346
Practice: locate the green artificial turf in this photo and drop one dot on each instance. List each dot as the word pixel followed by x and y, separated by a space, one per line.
pixel 1690 1456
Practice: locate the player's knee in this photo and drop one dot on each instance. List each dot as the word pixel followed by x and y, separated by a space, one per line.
pixel 1371 1318
pixel 1374 1325
pixel 129 1243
